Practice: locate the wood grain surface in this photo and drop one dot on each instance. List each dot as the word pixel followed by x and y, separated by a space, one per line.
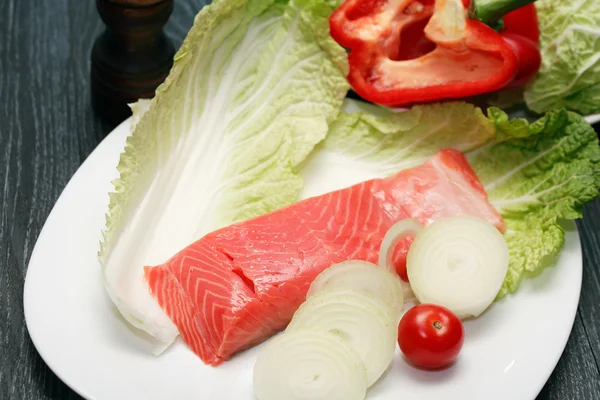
pixel 47 129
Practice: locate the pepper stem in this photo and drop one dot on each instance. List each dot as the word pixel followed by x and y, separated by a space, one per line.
pixel 491 11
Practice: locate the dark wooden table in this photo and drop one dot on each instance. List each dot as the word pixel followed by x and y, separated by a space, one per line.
pixel 47 129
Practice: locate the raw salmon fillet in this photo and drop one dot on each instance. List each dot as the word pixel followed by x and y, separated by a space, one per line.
pixel 239 285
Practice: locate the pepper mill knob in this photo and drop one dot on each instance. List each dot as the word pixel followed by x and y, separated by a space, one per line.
pixel 131 57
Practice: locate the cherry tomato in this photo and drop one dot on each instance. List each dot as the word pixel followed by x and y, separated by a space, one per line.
pixel 529 58
pixel 430 336
pixel 399 257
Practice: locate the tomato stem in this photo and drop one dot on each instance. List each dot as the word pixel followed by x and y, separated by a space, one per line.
pixel 437 325
pixel 491 11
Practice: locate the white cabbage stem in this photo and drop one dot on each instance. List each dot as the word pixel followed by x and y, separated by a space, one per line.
pixel 309 365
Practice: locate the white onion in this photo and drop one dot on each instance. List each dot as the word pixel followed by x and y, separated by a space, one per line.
pixel 368 324
pixel 309 365
pixel 365 276
pixel 459 263
pixel 400 230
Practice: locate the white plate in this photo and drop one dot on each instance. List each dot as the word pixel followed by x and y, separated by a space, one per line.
pixel 509 352
pixel 592 119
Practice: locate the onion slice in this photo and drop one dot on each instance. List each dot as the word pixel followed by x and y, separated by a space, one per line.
pixel 309 365
pixel 400 230
pixel 362 275
pixel 362 319
pixel 458 262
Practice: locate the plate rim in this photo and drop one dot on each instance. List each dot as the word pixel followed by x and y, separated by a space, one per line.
pixel 27 283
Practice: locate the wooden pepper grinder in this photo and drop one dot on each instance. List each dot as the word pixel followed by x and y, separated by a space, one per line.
pixel 131 57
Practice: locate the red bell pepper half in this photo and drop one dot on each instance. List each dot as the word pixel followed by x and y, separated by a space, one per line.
pixel 412 51
pixel 520 29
